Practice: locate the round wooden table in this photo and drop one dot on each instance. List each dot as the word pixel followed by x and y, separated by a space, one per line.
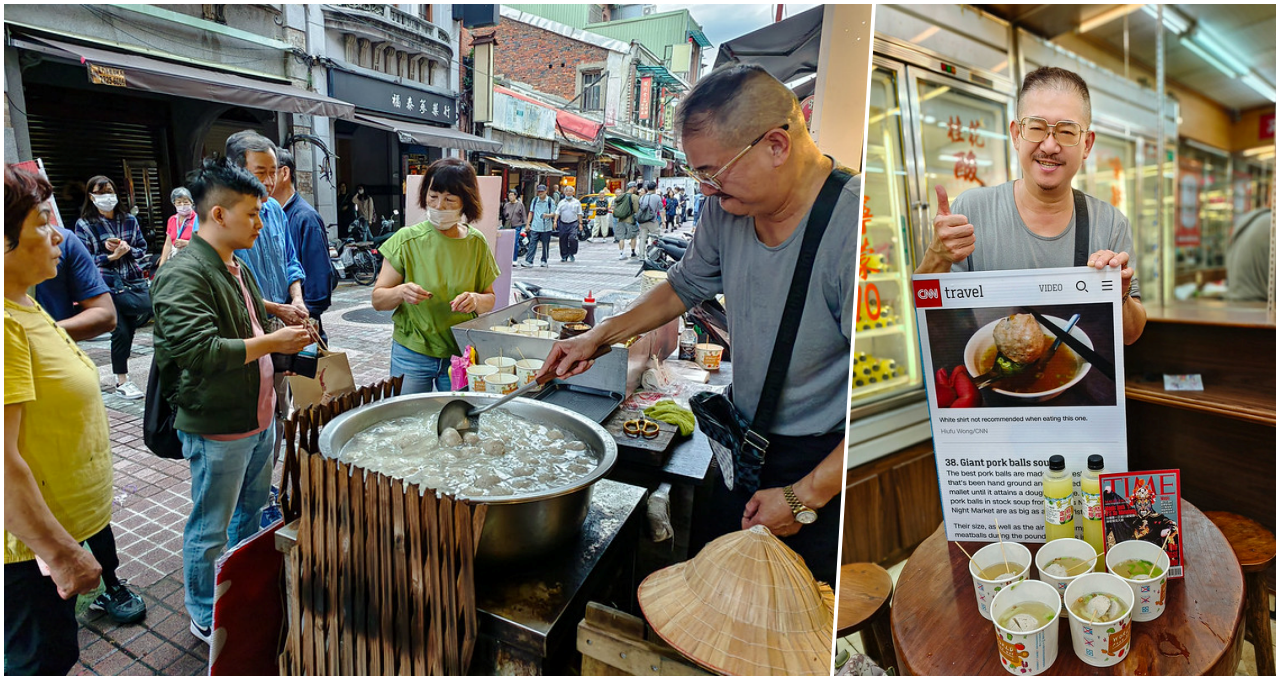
pixel 937 629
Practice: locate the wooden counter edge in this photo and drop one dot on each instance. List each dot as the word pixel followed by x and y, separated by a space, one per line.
pixel 612 643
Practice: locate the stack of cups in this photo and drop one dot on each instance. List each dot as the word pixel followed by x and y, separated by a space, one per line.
pixel 1148 593
pixel 1027 650
pixel 1106 642
pixel 1018 561
pixel 477 375
pixel 503 364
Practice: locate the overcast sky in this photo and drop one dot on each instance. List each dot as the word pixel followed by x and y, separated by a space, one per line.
pixel 721 22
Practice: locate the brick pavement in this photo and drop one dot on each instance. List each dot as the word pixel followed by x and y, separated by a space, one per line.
pixel 152 495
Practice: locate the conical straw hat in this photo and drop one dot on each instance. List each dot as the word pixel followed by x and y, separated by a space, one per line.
pixel 745 605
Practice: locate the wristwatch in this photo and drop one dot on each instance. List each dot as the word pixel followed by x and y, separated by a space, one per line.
pixel 804 514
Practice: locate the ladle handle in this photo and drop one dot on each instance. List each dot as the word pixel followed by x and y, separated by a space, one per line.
pixel 604 349
pixel 600 351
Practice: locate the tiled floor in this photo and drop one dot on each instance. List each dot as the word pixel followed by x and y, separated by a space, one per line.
pixel 1248 665
pixel 152 495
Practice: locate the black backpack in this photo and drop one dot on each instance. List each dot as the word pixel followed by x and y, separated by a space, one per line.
pixel 158 430
pixel 646 213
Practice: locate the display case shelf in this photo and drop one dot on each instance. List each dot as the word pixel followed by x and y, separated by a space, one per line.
pixel 897 329
pixel 888 385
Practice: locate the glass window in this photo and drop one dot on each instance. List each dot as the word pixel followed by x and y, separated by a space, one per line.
pixel 965 139
pixel 592 85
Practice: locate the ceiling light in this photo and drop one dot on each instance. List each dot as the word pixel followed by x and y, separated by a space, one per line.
pixel 1260 86
pixel 1107 17
pixel 1172 20
pixel 1213 47
pixel 1259 150
pixel 1208 58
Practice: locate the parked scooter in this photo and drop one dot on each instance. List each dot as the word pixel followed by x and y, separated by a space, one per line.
pixel 663 251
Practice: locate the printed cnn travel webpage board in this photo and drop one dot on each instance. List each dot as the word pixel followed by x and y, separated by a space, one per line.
pixel 992 444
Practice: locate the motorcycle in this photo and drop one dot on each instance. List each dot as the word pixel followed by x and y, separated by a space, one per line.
pixel 355 258
pixel 664 250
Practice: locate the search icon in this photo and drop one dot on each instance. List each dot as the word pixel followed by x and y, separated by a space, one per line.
pixel 1081 287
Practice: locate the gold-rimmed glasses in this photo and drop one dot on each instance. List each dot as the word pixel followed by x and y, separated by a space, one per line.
pixel 1065 132
pixel 712 179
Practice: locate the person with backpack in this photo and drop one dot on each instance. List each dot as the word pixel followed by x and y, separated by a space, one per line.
pixel 542 214
pixel 649 214
pixel 624 220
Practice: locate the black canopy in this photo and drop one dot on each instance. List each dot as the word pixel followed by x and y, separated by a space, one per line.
pixel 786 50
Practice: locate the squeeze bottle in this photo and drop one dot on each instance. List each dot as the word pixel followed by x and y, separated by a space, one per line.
pixel 1059 516
pixel 589 304
pixel 1091 497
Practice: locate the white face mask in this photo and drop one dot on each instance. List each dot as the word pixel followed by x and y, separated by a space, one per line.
pixel 105 202
pixel 184 210
pixel 443 220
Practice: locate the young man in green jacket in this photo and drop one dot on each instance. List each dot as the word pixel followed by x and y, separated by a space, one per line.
pixel 215 367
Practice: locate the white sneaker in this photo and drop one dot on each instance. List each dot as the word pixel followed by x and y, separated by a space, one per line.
pixel 203 634
pixel 129 391
pixel 622 256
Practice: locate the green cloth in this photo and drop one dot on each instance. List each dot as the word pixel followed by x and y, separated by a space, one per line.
pixel 445 267
pixel 669 412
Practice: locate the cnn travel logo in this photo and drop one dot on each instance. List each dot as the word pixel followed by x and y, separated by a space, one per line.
pixel 928 293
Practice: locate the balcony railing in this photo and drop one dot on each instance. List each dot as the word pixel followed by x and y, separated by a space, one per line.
pixel 404 20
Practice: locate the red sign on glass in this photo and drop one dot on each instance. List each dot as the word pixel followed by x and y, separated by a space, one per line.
pixel 646 96
pixel 1267 126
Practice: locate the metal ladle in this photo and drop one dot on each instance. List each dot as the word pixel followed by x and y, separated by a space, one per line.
pixel 463 417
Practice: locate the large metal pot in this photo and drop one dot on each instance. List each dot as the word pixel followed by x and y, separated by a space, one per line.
pixel 517 527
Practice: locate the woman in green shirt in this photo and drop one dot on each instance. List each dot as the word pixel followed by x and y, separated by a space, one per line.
pixel 436 274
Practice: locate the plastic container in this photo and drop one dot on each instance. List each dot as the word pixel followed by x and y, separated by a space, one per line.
pixel 1091 505
pixel 1059 511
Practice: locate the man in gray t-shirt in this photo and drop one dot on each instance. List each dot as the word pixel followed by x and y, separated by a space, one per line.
pixel 746 141
pixel 1030 223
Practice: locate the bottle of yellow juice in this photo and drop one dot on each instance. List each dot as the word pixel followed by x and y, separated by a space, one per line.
pixel 1091 497
pixel 1059 515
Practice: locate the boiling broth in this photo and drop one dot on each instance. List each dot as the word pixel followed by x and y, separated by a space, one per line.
pixel 511 455
pixel 998 569
pixel 1060 370
pixel 1040 612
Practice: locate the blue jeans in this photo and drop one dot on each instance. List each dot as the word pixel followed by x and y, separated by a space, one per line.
pixel 229 486
pixel 536 237
pixel 421 372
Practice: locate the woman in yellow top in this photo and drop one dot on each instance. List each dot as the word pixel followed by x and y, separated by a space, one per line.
pixel 57 454
pixel 435 274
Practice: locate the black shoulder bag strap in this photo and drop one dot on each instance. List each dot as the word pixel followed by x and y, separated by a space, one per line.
pixel 1082 229
pixel 780 361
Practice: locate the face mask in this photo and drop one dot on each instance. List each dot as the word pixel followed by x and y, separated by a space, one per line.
pixel 444 219
pixel 361 192
pixel 184 210
pixel 105 202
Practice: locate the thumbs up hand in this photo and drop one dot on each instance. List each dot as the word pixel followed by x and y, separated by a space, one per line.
pixel 953 236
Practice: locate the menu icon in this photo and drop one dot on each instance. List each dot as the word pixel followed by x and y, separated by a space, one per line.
pixel 1108 285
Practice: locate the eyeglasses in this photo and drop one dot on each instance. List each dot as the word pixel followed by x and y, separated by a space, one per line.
pixel 1065 132
pixel 712 179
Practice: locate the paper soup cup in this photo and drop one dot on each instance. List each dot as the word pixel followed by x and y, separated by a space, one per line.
pixel 527 370
pixel 1148 594
pixel 988 556
pixel 476 376
pixel 503 364
pixel 1027 652
pixel 1064 547
pixel 707 355
pixel 1105 643
pixel 501 383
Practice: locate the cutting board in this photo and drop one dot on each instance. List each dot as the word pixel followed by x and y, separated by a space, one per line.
pixel 638 449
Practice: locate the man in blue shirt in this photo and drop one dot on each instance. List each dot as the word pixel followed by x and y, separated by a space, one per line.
pixel 78 281
pixel 273 259
pixel 307 230
pixel 541 222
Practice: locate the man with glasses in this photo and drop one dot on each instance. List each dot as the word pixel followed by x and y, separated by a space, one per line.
pixel 746 141
pixel 1030 223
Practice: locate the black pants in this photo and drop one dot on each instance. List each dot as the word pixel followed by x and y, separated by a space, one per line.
pixel 788 459
pixel 40 628
pixel 568 238
pixel 536 237
pixel 103 547
pixel 130 316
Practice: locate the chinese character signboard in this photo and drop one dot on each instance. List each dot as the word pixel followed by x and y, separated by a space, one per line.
pixel 1267 126
pixel 1186 230
pixel 407 101
pixel 646 97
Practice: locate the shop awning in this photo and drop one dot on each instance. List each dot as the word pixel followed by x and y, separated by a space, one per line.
pixel 675 153
pixel 429 135
pixel 133 71
pixel 662 76
pixel 527 165
pixel 643 156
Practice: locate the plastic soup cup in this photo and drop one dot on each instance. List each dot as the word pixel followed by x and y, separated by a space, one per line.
pixel 477 375
pixel 1104 643
pixel 1149 594
pixel 989 556
pixel 1065 547
pixel 707 354
pixel 503 364
pixel 1027 652
pixel 527 370
pixel 501 383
